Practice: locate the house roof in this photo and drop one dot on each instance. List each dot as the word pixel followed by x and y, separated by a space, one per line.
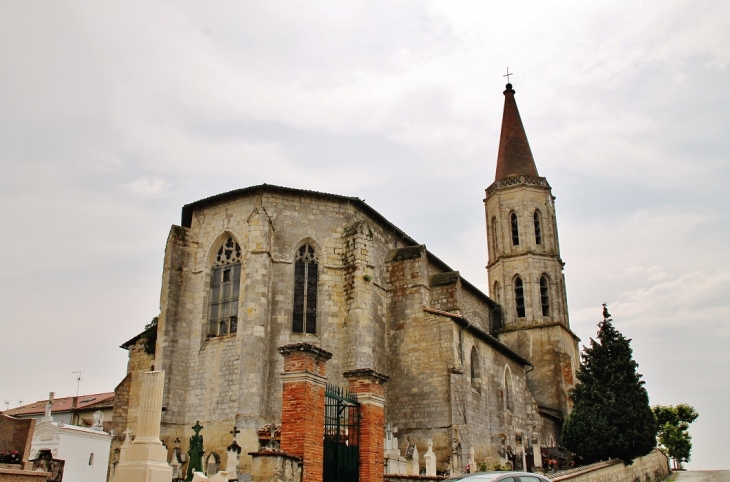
pixel 85 402
pixel 515 156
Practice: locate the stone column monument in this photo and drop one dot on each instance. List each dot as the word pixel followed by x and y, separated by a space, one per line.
pixel 145 459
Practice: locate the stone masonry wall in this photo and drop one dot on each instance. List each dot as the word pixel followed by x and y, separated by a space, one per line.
pixel 650 468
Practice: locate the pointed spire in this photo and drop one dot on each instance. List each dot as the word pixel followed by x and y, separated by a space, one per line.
pixel 515 157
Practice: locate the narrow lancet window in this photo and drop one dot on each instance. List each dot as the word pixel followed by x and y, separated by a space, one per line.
pixel 519 298
pixel 305 290
pixel 538 230
pixel 495 238
pixel 225 286
pixel 515 230
pixel 544 296
pixel 476 377
pixel 508 392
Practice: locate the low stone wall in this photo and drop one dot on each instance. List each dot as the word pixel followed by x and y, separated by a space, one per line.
pixel 12 475
pixel 275 466
pixel 650 468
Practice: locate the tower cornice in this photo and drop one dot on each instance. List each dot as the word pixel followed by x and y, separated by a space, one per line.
pixel 517 181
pixel 528 254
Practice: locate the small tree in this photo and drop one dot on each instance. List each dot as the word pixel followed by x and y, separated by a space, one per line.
pixel 149 335
pixel 674 438
pixel 611 416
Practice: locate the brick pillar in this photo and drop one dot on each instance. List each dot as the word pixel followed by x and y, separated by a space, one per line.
pixel 302 406
pixel 368 385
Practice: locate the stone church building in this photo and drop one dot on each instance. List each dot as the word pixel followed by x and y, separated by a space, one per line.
pixel 251 270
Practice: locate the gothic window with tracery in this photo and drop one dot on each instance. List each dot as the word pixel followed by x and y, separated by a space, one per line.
pixel 545 296
pixel 519 297
pixel 538 228
pixel 515 230
pixel 306 273
pixel 225 287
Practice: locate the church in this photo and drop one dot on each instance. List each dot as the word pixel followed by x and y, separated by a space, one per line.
pixel 252 270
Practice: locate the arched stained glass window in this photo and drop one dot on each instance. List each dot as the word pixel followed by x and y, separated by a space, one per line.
pixel 519 297
pixel 515 229
pixel 225 287
pixel 306 275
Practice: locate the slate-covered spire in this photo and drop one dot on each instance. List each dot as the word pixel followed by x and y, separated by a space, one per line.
pixel 515 157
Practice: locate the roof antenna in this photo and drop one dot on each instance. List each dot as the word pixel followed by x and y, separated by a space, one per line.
pixel 78 381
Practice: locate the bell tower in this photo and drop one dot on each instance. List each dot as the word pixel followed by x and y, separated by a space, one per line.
pixel 525 269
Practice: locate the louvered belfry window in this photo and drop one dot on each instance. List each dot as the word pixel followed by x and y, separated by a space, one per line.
pixel 519 298
pixel 225 287
pixel 305 290
pixel 515 230
pixel 538 229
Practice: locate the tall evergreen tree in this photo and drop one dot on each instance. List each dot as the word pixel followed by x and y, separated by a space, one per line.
pixel 611 416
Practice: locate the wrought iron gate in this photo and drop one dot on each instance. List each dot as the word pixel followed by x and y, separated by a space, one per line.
pixel 341 435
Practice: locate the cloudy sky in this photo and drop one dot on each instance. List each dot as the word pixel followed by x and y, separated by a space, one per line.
pixel 115 114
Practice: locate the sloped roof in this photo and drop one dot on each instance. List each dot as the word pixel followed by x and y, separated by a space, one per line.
pixel 515 156
pixel 85 402
pixel 189 209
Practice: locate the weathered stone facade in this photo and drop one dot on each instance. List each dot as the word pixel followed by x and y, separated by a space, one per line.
pixel 462 370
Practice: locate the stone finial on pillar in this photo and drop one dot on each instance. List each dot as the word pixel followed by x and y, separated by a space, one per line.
pixel 367 384
pixel 145 459
pixel 302 409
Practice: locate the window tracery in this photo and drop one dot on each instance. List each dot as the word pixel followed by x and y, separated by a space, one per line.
pixel 225 287
pixel 306 277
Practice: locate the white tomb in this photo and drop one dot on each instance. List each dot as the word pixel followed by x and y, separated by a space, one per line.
pixel 395 463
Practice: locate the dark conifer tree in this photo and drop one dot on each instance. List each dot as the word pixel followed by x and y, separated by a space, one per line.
pixel 611 416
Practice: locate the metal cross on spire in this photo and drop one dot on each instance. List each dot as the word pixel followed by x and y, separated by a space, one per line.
pixel 508 74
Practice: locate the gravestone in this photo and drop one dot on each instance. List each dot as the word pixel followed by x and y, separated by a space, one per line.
pixel 430 460
pixel 233 452
pixel 195 453
pixel 177 460
pixel 413 466
pixel 394 462
pixel 472 462
pixel 46 463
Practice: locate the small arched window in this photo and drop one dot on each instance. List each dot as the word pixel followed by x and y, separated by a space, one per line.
pixel 508 392
pixel 494 237
pixel 305 290
pixel 538 228
pixel 519 297
pixel 476 377
pixel 545 295
pixel 495 294
pixel 515 229
pixel 225 287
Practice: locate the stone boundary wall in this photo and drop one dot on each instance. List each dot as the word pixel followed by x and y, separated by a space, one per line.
pixel 650 468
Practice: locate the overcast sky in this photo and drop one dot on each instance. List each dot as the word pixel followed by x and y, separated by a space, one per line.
pixel 115 114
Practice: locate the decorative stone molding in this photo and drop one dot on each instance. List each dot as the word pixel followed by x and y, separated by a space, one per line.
pixel 516 181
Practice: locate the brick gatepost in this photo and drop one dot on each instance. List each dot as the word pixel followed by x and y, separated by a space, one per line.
pixel 302 406
pixel 368 385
